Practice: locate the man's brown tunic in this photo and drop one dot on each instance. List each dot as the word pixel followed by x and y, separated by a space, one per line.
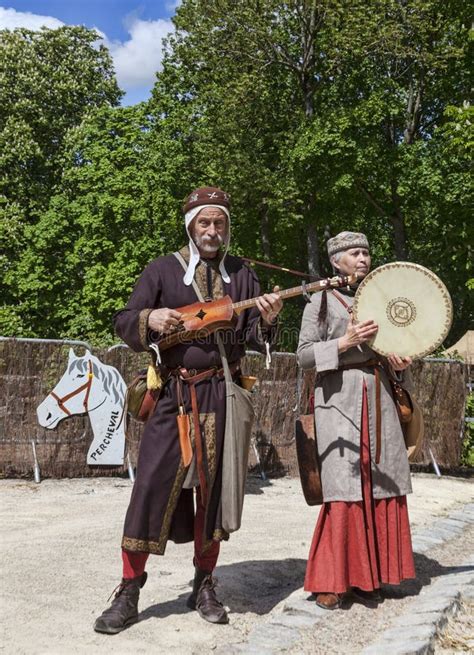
pixel 160 509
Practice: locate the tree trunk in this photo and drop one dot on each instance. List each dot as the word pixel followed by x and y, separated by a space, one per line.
pixel 314 259
pixel 307 57
pixel 398 222
pixel 307 87
pixel 265 232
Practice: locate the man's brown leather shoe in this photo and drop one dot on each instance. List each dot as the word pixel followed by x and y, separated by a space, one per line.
pixel 204 599
pixel 199 576
pixel 124 608
pixel 328 601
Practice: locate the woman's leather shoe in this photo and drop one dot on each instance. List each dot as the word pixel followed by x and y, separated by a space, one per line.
pixel 374 596
pixel 328 601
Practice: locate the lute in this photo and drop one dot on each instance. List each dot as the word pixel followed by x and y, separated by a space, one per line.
pixel 203 318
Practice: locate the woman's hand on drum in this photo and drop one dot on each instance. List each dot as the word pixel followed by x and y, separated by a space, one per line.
pixel 398 363
pixel 357 333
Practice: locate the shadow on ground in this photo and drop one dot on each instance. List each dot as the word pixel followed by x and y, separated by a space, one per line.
pixel 255 484
pixel 257 586
pixel 254 586
pixel 427 570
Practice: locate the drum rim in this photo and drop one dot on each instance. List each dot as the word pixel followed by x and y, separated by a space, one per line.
pixel 439 283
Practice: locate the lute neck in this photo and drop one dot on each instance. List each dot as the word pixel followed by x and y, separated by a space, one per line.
pixel 285 293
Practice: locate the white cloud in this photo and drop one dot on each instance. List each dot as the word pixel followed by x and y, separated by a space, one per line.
pixel 138 59
pixel 10 19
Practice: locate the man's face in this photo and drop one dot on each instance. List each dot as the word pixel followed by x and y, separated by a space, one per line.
pixel 209 230
pixel 354 260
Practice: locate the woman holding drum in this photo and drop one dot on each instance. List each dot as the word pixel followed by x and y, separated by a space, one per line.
pixel 362 536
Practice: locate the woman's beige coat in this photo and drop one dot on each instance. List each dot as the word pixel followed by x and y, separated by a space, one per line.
pixel 338 409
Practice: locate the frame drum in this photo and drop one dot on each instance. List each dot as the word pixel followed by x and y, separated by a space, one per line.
pixel 411 306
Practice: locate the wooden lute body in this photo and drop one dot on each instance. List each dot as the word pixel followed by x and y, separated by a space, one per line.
pixel 203 318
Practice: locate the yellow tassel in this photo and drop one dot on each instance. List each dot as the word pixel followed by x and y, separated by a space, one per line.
pixel 153 378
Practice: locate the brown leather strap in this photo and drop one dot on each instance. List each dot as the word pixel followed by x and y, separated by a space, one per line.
pixel 339 297
pixel 378 416
pixel 90 376
pixel 198 442
pixel 191 378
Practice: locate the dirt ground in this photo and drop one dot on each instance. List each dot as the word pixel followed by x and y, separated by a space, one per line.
pixel 60 560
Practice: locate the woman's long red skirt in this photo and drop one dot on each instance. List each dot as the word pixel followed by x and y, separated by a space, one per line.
pixel 360 544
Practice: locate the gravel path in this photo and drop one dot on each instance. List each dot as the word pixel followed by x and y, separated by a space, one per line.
pixel 61 559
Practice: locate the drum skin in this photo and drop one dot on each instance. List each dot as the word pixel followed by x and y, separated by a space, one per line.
pixel 411 306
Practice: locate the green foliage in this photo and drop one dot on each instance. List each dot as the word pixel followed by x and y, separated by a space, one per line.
pixel 49 80
pixel 90 245
pixel 467 455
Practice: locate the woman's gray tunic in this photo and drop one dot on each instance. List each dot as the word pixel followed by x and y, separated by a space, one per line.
pixel 338 409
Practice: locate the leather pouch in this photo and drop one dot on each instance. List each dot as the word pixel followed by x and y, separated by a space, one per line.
pixel 184 428
pixel 308 464
pixel 403 402
pixel 141 400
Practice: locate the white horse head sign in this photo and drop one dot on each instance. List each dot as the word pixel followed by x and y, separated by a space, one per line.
pixel 89 386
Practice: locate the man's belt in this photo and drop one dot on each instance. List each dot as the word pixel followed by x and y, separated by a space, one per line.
pixel 192 377
pixel 195 375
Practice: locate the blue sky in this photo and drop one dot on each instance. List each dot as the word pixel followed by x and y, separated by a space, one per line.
pixel 132 30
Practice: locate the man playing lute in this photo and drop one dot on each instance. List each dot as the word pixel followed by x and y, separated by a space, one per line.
pixel 162 502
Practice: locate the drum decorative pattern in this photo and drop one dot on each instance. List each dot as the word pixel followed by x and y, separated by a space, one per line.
pixel 401 312
pixel 415 323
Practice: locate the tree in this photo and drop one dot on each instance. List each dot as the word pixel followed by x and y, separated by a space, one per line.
pixel 96 232
pixel 410 65
pixel 49 80
pixel 315 114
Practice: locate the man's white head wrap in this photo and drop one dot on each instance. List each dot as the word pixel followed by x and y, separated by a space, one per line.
pixel 193 249
pixel 201 198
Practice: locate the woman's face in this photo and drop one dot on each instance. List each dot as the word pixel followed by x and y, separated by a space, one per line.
pixel 354 260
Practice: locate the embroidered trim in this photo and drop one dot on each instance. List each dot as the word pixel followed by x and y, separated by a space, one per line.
pixel 172 502
pixel 184 252
pixel 220 535
pixel 200 275
pixel 201 280
pixel 209 424
pixel 159 547
pixel 143 327
pixel 142 545
pixel 208 429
